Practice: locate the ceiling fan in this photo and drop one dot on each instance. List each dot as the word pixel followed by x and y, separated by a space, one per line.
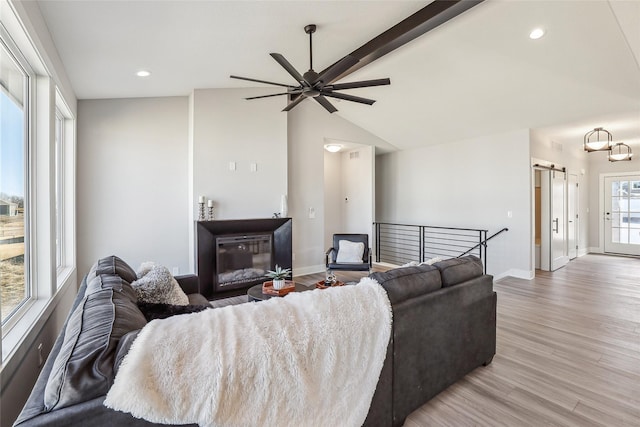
pixel 318 86
pixel 321 85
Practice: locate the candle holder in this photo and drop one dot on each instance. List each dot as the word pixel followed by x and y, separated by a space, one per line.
pixel 210 209
pixel 201 211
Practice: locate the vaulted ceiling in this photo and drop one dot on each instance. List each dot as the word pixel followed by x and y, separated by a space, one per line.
pixel 477 74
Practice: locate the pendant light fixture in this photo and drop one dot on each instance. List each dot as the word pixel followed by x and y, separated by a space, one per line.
pixel 620 152
pixel 598 139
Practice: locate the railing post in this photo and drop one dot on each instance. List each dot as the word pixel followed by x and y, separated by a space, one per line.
pixel 483 249
pixel 421 240
pixel 377 233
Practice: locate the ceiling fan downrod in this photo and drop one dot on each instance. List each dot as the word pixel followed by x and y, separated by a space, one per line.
pixel 310 29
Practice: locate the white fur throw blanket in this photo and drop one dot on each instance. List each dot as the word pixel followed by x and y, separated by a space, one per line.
pixel 309 359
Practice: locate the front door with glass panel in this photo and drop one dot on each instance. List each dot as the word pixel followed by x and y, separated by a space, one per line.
pixel 622 214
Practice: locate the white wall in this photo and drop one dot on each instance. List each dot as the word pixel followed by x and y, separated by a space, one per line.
pixel 142 163
pixel 576 160
pixel 333 198
pixel 469 184
pixel 132 181
pixel 308 127
pixel 357 190
pixel 227 128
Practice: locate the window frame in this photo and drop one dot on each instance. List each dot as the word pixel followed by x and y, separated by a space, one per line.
pixel 30 290
pixel 65 227
pixel 49 286
pixel 58 181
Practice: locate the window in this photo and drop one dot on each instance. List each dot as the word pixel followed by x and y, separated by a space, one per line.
pixel 59 168
pixel 64 188
pixel 14 137
pixel 37 175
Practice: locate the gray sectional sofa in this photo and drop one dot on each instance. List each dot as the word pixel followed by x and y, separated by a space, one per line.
pixel 443 327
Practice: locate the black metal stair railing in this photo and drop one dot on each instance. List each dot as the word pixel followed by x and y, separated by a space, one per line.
pixel 400 244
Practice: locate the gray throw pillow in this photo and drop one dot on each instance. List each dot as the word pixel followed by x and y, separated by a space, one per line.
pixel 155 284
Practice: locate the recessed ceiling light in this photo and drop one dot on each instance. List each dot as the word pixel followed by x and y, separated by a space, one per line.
pixel 143 73
pixel 536 33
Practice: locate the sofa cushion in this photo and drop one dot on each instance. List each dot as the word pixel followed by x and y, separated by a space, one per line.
pixel 123 348
pixel 83 369
pixel 152 311
pixel 458 270
pixel 112 265
pixel 408 282
pixel 111 281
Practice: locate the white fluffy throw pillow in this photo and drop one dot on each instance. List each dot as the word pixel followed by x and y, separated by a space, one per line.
pixel 155 284
pixel 349 252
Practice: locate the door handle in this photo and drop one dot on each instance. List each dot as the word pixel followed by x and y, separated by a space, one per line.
pixel 556 229
pixel 607 218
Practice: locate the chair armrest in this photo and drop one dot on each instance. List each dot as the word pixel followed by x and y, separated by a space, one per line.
pixel 327 258
pixel 189 283
pixel 367 255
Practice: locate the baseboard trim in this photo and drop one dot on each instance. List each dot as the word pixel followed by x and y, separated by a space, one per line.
pixel 517 273
pixel 385 265
pixel 311 269
pixel 595 250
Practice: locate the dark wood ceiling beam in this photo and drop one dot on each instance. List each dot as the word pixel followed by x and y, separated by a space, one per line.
pixel 424 20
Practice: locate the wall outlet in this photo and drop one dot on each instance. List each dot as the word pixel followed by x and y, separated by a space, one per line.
pixel 232 166
pixel 176 271
pixel 509 214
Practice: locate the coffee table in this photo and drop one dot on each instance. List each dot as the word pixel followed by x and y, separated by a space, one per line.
pixel 255 292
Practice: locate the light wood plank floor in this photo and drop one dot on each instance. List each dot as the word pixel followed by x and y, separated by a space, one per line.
pixel 568 353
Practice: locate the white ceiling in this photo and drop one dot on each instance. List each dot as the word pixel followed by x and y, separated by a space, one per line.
pixel 478 74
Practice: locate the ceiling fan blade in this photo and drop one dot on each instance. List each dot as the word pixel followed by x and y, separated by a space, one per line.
pixel 348 97
pixel 328 75
pixel 354 85
pixel 297 100
pixel 287 66
pixel 261 81
pixel 267 96
pixel 326 104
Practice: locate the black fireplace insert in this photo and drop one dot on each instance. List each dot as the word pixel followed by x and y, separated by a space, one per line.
pixel 233 255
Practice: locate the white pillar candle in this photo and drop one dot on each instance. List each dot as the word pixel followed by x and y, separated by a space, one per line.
pixel 210 203
pixel 283 206
pixel 201 199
